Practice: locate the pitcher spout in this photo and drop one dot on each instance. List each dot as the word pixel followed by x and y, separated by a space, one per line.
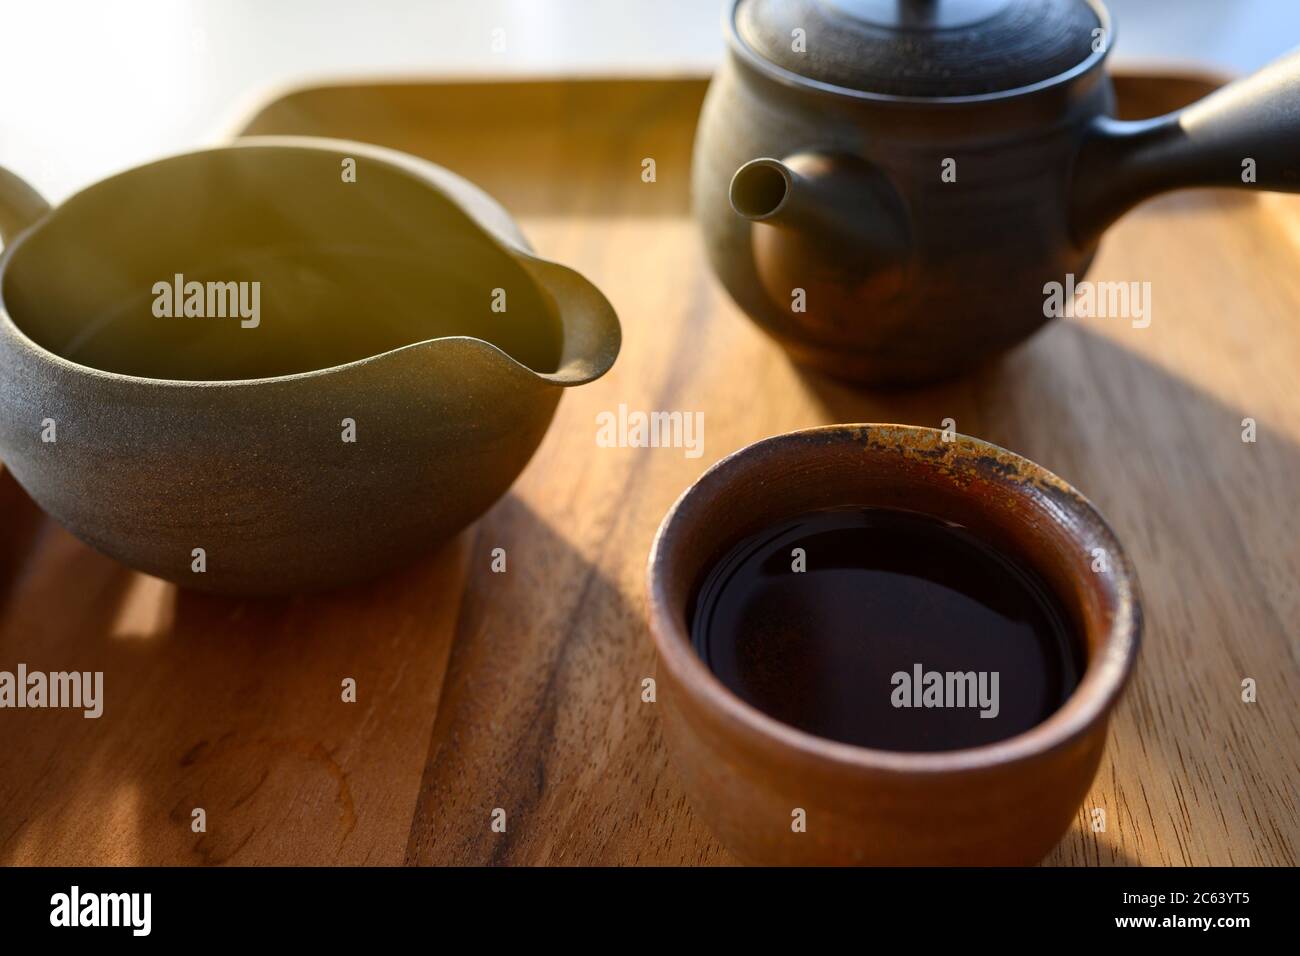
pixel 591 330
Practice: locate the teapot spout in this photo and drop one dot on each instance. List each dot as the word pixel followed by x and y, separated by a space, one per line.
pixel 840 202
pixel 761 190
pixel 831 236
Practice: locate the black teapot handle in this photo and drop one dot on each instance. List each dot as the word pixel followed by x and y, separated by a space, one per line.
pixel 1245 135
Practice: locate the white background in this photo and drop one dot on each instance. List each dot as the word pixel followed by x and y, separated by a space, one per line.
pixel 93 86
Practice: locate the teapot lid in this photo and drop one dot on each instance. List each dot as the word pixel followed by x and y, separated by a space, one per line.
pixel 923 48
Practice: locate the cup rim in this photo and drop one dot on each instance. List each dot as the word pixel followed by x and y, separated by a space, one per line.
pixel 1105 676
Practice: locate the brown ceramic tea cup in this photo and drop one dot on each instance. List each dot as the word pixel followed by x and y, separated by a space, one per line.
pixel 748 774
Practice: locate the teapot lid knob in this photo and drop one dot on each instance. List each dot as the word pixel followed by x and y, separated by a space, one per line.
pixel 921 14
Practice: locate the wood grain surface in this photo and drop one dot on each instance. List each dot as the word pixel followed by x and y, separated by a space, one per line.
pixel 234 705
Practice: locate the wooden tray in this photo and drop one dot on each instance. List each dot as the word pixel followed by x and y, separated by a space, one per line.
pixel 234 706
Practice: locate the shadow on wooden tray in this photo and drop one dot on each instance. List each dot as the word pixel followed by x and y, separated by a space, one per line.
pixel 232 706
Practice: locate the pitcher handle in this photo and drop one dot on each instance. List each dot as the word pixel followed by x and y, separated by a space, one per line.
pixel 20 206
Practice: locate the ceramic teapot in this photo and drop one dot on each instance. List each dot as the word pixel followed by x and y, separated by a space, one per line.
pixel 244 371
pixel 888 187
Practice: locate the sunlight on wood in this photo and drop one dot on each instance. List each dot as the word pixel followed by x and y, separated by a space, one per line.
pixel 148 610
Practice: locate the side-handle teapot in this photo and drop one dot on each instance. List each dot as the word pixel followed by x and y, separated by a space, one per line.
pixel 889 187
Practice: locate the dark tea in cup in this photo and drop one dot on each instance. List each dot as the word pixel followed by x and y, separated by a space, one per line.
pixel 887 629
